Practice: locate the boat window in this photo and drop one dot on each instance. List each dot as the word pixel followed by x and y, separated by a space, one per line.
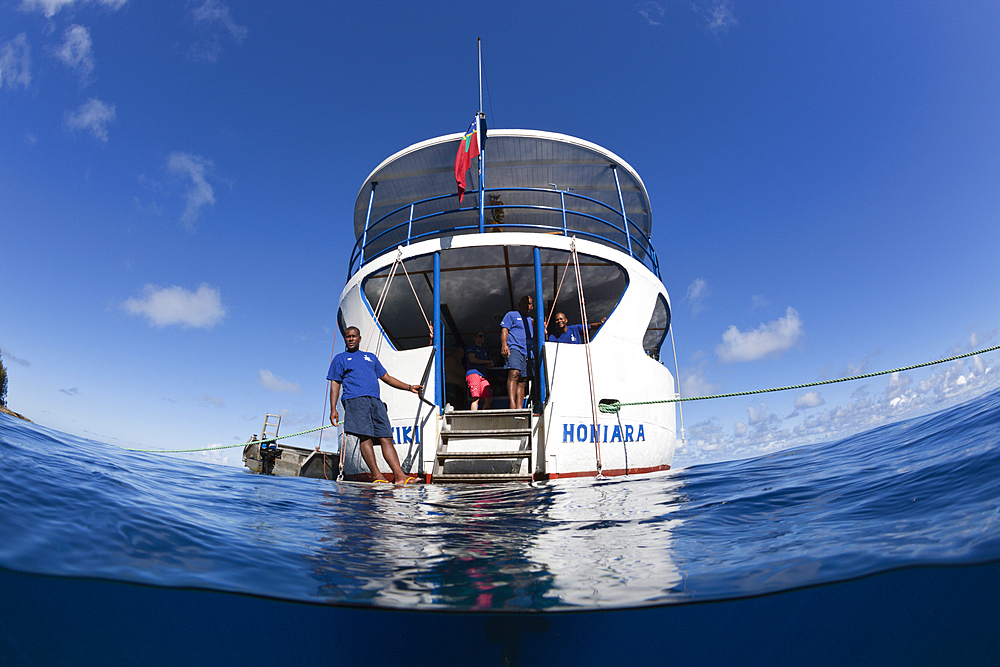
pixel 341 323
pixel 479 285
pixel 656 332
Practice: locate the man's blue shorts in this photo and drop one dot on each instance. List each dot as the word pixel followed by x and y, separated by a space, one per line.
pixel 366 417
pixel 518 362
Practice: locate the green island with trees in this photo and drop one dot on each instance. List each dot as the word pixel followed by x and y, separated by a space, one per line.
pixel 3 394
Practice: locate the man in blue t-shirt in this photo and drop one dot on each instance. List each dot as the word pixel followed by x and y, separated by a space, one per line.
pixel 364 413
pixel 569 333
pixel 517 342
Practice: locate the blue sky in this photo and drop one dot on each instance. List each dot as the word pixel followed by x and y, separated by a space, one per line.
pixel 177 182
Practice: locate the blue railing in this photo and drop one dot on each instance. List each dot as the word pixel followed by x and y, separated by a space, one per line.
pixel 634 243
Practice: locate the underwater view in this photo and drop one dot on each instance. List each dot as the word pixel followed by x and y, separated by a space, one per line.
pixel 882 548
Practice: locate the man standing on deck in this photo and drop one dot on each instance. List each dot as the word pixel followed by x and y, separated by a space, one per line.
pixel 570 333
pixel 365 414
pixel 517 338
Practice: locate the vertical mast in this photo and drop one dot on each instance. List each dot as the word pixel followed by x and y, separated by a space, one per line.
pixel 482 144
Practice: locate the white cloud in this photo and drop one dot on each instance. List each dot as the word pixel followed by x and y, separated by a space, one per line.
pixel 175 305
pixel 718 14
pixel 213 400
pixel 5 354
pixel 212 11
pixel 767 339
pixel 200 193
pixel 229 456
pixel 761 416
pixel 976 339
pixel 76 51
pixel 810 399
pixel 863 366
pixel 269 380
pixel 897 385
pixel 72 391
pixel 652 11
pixel 52 7
pixel 93 115
pixel 15 62
pixel 694 383
pixel 697 292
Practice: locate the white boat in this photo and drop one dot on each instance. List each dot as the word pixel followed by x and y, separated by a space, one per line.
pixel 424 262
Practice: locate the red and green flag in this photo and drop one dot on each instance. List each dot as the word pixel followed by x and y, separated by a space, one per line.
pixel 468 148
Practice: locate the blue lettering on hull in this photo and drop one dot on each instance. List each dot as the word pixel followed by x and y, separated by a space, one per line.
pixel 405 435
pixel 580 433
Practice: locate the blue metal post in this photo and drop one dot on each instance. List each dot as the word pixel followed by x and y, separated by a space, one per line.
pixel 562 200
pixel 364 237
pixel 409 227
pixel 438 338
pixel 621 200
pixel 539 328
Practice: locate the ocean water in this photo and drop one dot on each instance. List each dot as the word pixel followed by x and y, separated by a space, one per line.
pixel 883 548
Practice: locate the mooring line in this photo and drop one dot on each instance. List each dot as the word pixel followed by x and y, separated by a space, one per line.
pixel 615 406
pixel 208 449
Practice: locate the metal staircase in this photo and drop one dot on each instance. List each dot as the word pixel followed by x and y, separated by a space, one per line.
pixel 484 446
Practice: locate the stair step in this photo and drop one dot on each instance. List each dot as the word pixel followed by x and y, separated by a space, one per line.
pixel 519 454
pixel 492 433
pixel 490 413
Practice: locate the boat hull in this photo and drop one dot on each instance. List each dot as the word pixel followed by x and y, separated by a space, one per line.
pixel 564 439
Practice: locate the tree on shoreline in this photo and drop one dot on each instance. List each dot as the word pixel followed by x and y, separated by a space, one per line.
pixel 3 384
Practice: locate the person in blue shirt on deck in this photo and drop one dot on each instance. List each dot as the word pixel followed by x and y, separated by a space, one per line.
pixel 570 333
pixel 517 338
pixel 365 415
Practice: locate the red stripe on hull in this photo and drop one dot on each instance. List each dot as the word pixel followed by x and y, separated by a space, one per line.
pixel 620 472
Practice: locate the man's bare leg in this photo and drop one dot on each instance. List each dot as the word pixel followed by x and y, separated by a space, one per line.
pixel 392 458
pixel 368 454
pixel 512 387
pixel 522 385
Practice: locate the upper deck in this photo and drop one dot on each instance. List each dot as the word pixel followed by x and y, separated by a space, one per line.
pixel 535 181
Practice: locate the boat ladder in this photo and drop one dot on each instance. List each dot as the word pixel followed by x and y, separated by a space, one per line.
pixel 270 427
pixel 484 446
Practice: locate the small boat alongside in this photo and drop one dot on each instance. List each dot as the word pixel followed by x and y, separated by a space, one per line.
pixel 266 456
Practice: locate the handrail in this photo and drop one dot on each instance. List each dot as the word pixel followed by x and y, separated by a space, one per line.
pixel 637 238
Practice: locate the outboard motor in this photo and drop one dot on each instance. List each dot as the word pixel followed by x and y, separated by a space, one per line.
pixel 269 452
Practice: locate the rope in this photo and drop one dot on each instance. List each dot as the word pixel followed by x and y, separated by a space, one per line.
pixel 677 375
pixel 417 298
pixel 555 299
pixel 208 449
pixel 381 298
pixel 615 406
pixel 590 363
pixel 343 441
pixel 324 414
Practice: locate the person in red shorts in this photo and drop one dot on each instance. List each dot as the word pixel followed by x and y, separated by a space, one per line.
pixel 478 361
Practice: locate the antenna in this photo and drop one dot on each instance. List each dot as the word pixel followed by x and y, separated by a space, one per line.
pixel 480 41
